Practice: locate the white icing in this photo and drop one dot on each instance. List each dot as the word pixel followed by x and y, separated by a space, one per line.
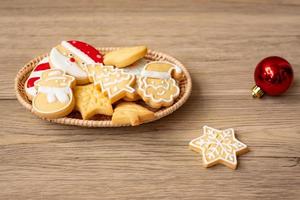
pixel 55 93
pixel 59 61
pixel 162 75
pixel 36 74
pixel 218 145
pixel 143 85
pixel 31 91
pixel 162 92
pixel 54 73
pixel 154 74
pixel 136 68
pixel 105 82
pixel 77 52
pixel 44 60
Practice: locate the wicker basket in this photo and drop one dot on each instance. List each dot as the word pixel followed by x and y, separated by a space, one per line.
pixel 105 121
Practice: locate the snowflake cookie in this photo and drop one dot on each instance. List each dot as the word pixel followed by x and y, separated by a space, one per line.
pixel 218 146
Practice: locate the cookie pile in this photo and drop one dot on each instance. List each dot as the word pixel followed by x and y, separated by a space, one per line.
pixel 76 76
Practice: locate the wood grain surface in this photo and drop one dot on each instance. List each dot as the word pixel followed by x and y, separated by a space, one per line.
pixel 220 42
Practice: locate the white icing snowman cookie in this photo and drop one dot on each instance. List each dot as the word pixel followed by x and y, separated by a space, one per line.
pixel 73 57
pixel 54 97
pixel 157 85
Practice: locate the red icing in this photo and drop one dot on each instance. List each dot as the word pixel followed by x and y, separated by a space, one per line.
pixel 39 67
pixel 89 50
pixel 72 59
pixel 42 66
pixel 31 81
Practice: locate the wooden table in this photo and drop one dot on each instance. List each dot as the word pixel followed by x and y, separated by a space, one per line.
pixel 220 42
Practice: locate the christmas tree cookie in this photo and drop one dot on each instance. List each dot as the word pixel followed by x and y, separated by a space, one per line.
pixel 114 82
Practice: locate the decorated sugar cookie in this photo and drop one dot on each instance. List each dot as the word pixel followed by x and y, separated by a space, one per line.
pixel 218 146
pixel 130 113
pixel 134 96
pixel 54 97
pixel 156 86
pixel 125 56
pixel 73 57
pixel 90 101
pixel 136 69
pixel 35 76
pixel 113 81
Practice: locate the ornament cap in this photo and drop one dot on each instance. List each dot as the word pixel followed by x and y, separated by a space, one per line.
pixel 257 92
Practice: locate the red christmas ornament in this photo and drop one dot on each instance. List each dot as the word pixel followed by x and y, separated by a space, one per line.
pixel 273 76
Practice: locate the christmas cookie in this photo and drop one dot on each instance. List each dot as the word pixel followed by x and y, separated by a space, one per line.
pixel 90 101
pixel 135 69
pixel 73 57
pixel 114 82
pixel 54 97
pixel 130 113
pixel 134 96
pixel 34 76
pixel 125 56
pixel 157 85
pixel 218 146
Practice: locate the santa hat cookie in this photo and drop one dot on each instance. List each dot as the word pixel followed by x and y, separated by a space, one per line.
pixel 73 57
pixel 34 76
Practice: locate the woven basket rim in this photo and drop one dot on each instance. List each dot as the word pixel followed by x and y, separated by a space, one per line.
pixel 151 54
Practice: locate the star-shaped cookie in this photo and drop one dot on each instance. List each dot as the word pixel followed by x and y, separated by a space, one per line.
pixel 89 101
pixel 218 146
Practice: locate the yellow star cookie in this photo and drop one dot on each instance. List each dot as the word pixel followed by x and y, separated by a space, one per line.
pixel 218 146
pixel 131 113
pixel 125 56
pixel 114 82
pixel 90 101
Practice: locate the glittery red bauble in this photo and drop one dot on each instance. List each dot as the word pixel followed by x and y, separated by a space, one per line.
pixel 273 75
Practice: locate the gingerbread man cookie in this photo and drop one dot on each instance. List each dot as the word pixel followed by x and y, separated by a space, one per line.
pixel 157 85
pixel 73 57
pixel 114 82
pixel 218 146
pixel 54 97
